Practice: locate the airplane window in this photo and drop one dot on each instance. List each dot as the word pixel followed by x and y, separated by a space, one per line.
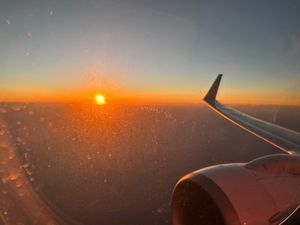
pixel 101 109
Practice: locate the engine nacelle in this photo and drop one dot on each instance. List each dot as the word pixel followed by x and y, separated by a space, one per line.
pixel 254 193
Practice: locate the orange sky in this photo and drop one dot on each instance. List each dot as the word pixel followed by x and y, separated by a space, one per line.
pixel 126 97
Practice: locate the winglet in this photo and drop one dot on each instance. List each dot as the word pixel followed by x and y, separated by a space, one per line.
pixel 212 93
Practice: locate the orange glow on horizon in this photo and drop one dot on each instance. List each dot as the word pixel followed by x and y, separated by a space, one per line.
pixel 128 97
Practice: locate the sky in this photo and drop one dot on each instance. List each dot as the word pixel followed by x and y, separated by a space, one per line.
pixel 150 50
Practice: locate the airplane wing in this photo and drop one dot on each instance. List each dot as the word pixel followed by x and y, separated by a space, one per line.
pixel 285 139
pixel 293 218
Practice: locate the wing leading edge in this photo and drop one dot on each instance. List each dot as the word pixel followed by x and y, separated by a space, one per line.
pixel 283 138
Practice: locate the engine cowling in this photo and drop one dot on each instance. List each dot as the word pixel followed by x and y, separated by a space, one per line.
pixel 262 192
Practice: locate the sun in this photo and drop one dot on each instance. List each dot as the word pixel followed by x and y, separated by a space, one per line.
pixel 100 99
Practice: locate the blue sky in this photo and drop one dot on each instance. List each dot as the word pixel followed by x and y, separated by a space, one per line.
pixel 154 47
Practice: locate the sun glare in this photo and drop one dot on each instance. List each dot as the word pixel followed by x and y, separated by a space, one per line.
pixel 100 99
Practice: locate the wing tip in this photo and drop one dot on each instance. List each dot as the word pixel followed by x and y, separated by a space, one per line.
pixel 211 95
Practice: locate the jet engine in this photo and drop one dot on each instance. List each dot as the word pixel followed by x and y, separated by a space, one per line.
pixel 265 191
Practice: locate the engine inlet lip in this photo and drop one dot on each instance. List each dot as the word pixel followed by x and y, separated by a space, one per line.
pixel 216 193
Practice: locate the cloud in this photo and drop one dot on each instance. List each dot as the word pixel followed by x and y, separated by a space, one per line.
pixel 295 50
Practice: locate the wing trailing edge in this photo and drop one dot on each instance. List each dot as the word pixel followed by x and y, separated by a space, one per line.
pixel 285 139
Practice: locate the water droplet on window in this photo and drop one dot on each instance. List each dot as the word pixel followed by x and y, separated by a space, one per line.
pixel 19 183
pixel 89 157
pixel 26 165
pixel 26 155
pixel 2 110
pixel 16 108
pixel 3 145
pixel 11 154
pixel 2 132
